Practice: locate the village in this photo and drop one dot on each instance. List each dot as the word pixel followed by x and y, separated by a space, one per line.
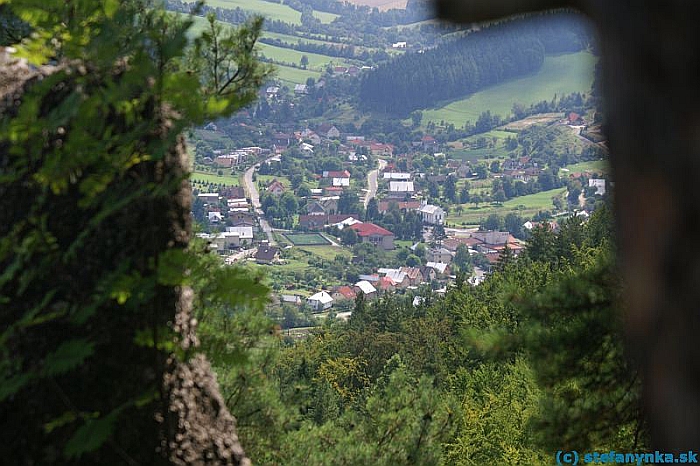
pixel 330 215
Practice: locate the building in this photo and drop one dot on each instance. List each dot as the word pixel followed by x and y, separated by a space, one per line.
pixel 301 89
pixel 383 206
pixel 266 254
pixel 439 255
pixel 366 288
pixel 245 234
pixel 371 233
pixel 599 184
pixel 432 214
pixel 397 176
pixel 343 293
pixel 290 299
pixel 320 301
pixel 401 187
pixel 275 187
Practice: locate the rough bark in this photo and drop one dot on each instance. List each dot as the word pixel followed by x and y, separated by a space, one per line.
pixel 186 420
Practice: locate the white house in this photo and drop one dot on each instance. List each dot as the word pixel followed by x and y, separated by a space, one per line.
pixel 245 234
pixel 401 186
pixel 209 198
pixel 366 287
pixel 399 45
pixel 397 176
pixel 598 184
pixel 341 181
pixel 432 214
pixel 320 301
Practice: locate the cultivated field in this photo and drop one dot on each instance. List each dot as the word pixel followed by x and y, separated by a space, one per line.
pixel 562 74
pixel 306 239
pixel 539 119
pixel 213 178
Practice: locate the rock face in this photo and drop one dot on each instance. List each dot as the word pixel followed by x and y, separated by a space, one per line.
pixel 139 402
pixel 651 58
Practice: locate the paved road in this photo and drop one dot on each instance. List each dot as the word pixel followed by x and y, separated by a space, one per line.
pixel 372 182
pixel 255 200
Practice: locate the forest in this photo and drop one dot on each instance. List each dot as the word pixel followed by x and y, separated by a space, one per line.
pixel 470 63
pixel 122 341
pixel 529 362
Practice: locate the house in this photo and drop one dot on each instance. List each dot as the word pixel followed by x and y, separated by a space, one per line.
pixel 574 119
pixel 397 176
pixel 432 214
pixel 343 293
pixel 328 131
pixel 301 89
pixel 245 234
pixel 428 274
pixel 266 254
pixel 383 206
pixel 242 219
pixel 599 184
pixel 401 187
pixel 232 192
pixel 290 299
pixel 385 284
pixel 281 139
pixel 340 69
pixel 320 301
pixel 341 182
pixel 399 45
pixel 377 148
pixel 366 288
pixel 324 206
pixel 336 174
pixel 399 278
pixel 439 255
pixel 215 217
pixel 221 242
pixel 442 270
pixel 374 234
pixel 413 275
pixel 275 187
pixel 209 198
pixel 272 91
pixel 317 222
pixel 428 142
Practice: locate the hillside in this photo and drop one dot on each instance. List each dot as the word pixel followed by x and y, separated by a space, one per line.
pixel 562 74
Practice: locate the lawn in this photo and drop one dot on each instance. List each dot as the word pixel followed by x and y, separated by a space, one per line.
pixel 525 206
pixel 561 74
pixel 599 166
pixel 327 252
pixel 306 239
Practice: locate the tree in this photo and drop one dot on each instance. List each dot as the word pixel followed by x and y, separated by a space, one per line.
pixel 493 222
pixel 450 188
pixel 463 259
pixel 481 171
pixel 304 61
pixel 99 335
pixel 372 210
pixel 349 236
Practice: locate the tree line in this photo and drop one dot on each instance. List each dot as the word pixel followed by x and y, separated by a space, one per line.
pixel 470 63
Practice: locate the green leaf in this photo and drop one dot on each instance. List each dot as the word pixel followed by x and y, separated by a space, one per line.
pixel 91 435
pixel 68 355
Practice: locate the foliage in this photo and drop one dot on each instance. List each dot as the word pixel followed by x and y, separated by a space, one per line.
pixel 94 225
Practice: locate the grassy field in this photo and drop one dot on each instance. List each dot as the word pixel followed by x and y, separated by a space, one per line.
pixel 559 75
pixel 328 252
pixel 595 165
pixel 382 5
pixel 281 54
pixel 525 206
pixel 295 75
pixel 226 180
pixel 269 10
pixel 306 239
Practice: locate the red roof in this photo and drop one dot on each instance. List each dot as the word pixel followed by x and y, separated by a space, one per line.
pixel 338 174
pixel 370 229
pixel 386 282
pixel 427 138
pixel 347 292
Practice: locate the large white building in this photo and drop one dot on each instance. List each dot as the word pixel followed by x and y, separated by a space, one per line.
pixel 320 301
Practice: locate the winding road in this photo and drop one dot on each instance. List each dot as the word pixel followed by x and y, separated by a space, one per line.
pixel 372 182
pixel 255 200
